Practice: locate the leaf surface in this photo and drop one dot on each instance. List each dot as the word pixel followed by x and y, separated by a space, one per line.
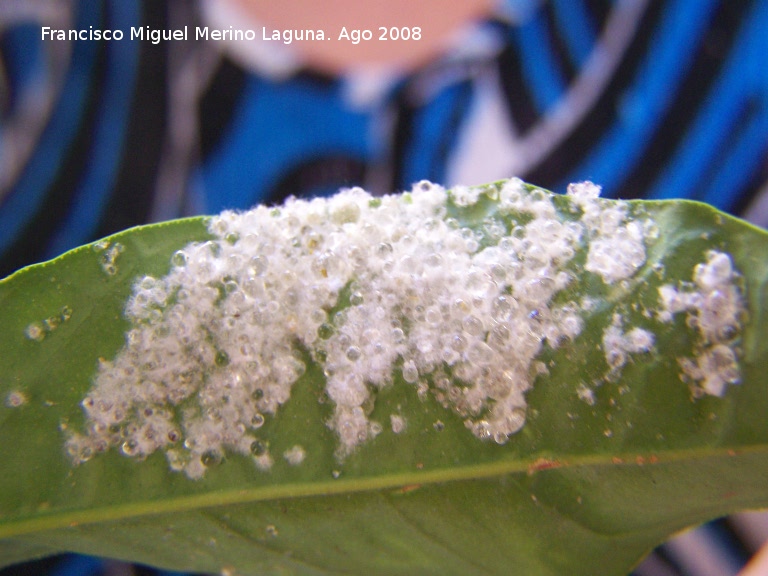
pixel 582 485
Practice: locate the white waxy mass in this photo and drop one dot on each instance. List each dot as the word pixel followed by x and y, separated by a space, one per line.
pixel 713 308
pixel 382 291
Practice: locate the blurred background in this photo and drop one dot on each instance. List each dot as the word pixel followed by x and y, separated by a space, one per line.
pixel 647 98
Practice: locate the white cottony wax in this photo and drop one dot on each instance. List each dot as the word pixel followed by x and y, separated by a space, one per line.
pixel 382 291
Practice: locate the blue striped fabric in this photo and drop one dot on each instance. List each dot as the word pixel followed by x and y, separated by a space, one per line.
pixel 643 102
pixel 108 133
pixel 27 196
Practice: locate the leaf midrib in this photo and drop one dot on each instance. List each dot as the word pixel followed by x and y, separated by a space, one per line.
pixel 355 485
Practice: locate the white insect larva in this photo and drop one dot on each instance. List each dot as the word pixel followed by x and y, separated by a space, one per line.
pixel 713 307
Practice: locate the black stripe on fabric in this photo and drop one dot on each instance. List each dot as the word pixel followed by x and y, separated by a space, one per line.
pixel 30 245
pixel 403 130
pixel 662 552
pixel 599 11
pixel 565 66
pixel 317 176
pixel 130 202
pixel 218 105
pixel 572 150
pixel 405 147
pixel 9 96
pixel 713 50
pixel 724 531
pixel 519 101
pixel 317 78
pixel 448 137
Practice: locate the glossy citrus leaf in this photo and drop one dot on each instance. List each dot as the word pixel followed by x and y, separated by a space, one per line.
pixel 647 418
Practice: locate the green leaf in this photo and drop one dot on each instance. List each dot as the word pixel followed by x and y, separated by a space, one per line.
pixel 608 464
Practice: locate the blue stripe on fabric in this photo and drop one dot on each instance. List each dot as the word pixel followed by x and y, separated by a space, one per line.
pixel 724 105
pixel 108 144
pixel 539 65
pixel 575 28
pixel 434 130
pixel 645 102
pixel 751 148
pixel 277 126
pixel 76 565
pixel 25 68
pixel 24 55
pixel 26 198
pixel 740 165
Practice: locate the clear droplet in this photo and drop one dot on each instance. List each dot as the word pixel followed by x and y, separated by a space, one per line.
pixel 325 331
pixel 211 458
pixel 353 353
pixel 130 447
pixel 179 259
pixel 410 372
pixel 258 265
pixel 472 325
pixel 86 454
pixel 259 447
pixel 257 421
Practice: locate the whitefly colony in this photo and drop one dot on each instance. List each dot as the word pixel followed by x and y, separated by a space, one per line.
pixel 381 291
